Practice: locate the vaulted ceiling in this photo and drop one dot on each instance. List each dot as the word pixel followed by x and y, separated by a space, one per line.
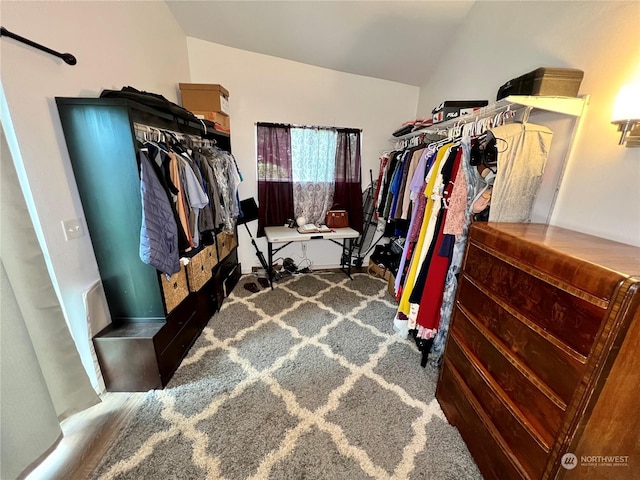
pixel 400 41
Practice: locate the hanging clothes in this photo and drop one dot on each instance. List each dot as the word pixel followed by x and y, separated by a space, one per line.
pixel 419 252
pixel 196 198
pixel 452 192
pixel 416 186
pixel 429 292
pixel 200 184
pixel 181 202
pixel 413 166
pixel 158 232
pixel 451 282
pixel 521 164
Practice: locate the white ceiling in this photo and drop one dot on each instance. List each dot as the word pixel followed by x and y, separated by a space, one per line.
pixel 400 41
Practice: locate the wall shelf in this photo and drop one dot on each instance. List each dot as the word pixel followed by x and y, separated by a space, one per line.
pixel 573 106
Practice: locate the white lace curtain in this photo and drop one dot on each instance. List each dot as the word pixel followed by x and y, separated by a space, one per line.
pixel 313 153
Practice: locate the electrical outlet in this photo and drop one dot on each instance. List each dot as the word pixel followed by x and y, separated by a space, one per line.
pixel 72 229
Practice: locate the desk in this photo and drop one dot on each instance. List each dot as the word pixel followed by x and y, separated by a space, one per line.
pixel 288 235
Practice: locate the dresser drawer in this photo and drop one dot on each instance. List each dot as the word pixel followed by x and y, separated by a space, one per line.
pixel 489 450
pixel 174 289
pixel 571 318
pixel 557 366
pixel 524 443
pixel 590 264
pixel 170 358
pixel 175 321
pixel 226 242
pixel 198 270
pixel 519 385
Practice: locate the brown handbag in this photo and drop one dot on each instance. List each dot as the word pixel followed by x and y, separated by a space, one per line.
pixel 337 219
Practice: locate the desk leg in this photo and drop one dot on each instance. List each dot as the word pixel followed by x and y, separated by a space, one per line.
pixel 345 259
pixel 270 269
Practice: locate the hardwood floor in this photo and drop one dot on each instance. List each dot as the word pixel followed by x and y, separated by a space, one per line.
pixel 87 437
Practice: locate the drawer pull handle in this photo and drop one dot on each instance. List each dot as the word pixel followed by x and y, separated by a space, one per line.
pixel 175 285
pixel 202 268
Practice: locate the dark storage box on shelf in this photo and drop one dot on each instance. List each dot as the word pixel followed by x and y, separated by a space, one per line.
pixel 451 109
pixel 558 82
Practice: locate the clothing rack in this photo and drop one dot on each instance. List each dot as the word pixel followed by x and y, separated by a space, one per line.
pixel 67 57
pixel 572 106
pixel 468 125
pixel 146 133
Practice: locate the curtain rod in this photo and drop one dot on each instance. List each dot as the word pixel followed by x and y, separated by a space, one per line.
pixel 294 125
pixel 67 57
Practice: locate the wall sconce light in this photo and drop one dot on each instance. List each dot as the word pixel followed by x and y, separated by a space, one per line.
pixel 626 114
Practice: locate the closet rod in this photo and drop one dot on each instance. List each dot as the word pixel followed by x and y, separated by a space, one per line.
pixel 484 112
pixel 67 57
pixel 149 129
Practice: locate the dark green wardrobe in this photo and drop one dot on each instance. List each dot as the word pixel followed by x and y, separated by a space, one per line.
pixel 155 319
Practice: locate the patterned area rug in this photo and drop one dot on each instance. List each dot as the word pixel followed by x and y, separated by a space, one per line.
pixel 306 381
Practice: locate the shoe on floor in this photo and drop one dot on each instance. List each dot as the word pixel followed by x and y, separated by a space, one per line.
pixel 252 287
pixel 264 282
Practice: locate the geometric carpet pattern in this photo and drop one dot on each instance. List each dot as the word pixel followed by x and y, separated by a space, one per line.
pixel 306 381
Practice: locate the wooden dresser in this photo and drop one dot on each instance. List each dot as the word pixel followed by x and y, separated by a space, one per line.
pixel 543 354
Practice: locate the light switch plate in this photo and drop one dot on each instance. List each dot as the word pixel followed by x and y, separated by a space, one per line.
pixel 72 229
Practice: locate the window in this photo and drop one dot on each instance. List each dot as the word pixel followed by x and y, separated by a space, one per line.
pixel 304 171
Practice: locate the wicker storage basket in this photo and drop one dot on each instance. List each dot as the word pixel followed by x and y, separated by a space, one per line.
pixel 212 256
pixel 174 289
pixel 226 243
pixel 198 271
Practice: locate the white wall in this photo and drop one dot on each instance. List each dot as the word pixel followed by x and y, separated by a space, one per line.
pixel 600 193
pixel 269 89
pixel 116 44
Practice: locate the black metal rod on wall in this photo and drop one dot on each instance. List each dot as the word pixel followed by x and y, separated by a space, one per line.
pixel 67 57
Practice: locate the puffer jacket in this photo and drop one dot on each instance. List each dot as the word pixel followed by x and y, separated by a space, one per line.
pixel 158 232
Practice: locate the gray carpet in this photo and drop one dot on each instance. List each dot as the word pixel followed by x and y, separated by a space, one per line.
pixel 306 381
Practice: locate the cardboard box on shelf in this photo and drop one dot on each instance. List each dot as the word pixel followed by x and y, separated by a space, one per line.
pixel 217 117
pixel 203 97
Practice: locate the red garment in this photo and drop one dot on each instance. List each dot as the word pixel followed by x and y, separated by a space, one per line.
pixel 431 300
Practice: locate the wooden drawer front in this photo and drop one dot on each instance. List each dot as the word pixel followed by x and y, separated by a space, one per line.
pixel 489 450
pixel 226 243
pixel 170 358
pixel 207 303
pixel 542 413
pixel 198 271
pixel 174 289
pixel 212 256
pixel 528 447
pixel 175 321
pixel 573 320
pixel 556 367
pixel 559 253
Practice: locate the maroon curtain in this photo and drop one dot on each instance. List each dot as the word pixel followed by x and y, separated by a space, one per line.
pixel 348 192
pixel 275 181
